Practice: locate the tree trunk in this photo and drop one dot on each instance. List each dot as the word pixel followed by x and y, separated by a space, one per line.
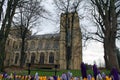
pixel 23 37
pixel 110 53
pixel 22 58
pixel 2 55
pixel 68 40
pixel 69 33
pixel 66 37
pixel 68 57
pixel 5 28
pixel 110 37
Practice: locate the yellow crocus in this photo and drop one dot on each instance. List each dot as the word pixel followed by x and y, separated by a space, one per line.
pixel 40 78
pixel 58 78
pixel 107 78
pixel 85 79
pixel 93 78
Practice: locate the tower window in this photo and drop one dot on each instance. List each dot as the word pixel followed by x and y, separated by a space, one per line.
pixel 16 58
pixel 8 42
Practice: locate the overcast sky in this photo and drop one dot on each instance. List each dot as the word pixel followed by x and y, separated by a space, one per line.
pixel 94 50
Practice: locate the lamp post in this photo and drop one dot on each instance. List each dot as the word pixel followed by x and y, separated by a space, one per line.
pixel 29 65
pixel 56 69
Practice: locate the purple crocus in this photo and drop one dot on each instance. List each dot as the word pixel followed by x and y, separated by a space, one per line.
pixel 89 77
pixel 32 78
pixel 115 74
pixel 103 75
pixel 83 70
pixel 14 76
pixel 95 71
pixel 69 75
pixel 55 77
pixel 36 76
pixel 5 75
pixel 64 77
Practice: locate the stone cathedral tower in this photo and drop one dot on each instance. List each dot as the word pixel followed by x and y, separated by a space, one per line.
pixel 73 36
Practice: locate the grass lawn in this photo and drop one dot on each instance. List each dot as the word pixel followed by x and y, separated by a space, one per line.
pixel 48 72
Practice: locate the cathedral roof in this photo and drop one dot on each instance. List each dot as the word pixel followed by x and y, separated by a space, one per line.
pixel 45 36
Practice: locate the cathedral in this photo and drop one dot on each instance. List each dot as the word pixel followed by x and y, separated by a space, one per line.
pixel 48 48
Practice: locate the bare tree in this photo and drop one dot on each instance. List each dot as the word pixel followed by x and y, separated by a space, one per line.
pixel 29 13
pixel 66 7
pixel 5 19
pixel 118 55
pixel 106 16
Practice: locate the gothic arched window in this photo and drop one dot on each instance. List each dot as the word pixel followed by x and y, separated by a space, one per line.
pixel 47 45
pixel 51 58
pixel 41 60
pixel 20 45
pixel 15 45
pixel 8 42
pixel 16 58
pixel 33 58
pixel 32 45
pixel 56 44
pixel 40 45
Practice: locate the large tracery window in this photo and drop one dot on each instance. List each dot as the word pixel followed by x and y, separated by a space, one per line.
pixel 41 60
pixel 51 58
pixel 33 58
pixel 16 58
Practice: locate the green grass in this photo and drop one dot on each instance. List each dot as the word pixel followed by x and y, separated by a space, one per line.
pixel 47 72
